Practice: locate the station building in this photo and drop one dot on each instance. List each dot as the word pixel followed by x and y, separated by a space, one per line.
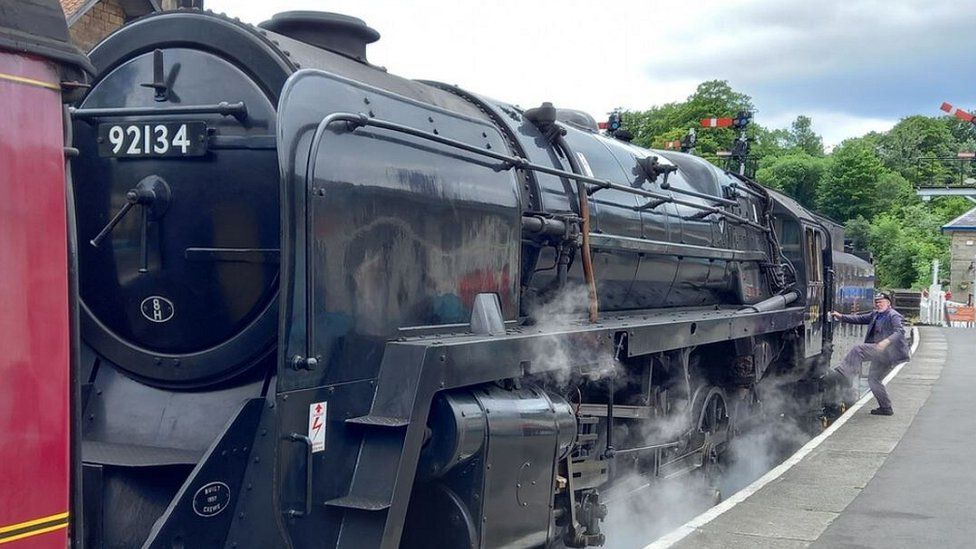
pixel 962 233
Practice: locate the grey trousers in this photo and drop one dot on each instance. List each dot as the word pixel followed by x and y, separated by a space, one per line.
pixel 880 366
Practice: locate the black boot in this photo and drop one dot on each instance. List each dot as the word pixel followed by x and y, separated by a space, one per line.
pixel 882 412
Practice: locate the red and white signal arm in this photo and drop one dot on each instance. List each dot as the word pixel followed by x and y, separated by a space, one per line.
pixel 957 112
pixel 716 122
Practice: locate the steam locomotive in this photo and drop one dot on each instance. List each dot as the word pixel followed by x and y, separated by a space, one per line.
pixel 325 306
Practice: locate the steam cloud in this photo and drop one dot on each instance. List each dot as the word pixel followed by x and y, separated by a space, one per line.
pixel 641 508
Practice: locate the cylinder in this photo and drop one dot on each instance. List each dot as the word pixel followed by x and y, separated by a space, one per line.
pixel 459 424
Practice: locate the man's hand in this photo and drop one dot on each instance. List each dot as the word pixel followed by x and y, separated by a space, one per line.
pixel 883 344
pixel 835 315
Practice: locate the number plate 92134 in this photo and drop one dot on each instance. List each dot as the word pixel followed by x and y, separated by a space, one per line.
pixel 152 139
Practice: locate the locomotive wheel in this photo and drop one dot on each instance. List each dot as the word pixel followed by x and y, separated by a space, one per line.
pixel 708 437
pixel 713 428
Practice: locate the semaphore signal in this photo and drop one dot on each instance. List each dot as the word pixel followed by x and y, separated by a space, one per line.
pixel 716 122
pixel 740 147
pixel 957 112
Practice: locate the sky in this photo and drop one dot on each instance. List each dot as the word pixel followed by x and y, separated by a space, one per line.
pixel 853 66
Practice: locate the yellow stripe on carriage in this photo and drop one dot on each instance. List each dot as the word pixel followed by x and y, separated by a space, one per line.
pixel 34 532
pixel 42 520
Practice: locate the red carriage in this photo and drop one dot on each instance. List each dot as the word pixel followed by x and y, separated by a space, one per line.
pixel 38 69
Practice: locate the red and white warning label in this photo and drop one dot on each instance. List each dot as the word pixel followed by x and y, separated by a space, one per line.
pixel 316 425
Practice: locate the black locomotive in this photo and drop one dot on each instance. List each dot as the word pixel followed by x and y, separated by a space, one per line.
pixel 326 306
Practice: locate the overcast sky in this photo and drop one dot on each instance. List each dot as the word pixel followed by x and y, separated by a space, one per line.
pixel 852 65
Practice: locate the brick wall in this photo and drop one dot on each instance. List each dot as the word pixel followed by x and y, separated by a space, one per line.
pixel 963 250
pixel 97 23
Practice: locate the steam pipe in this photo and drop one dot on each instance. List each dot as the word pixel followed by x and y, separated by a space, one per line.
pixel 536 224
pixel 775 303
pixel 735 185
pixel 667 186
pixel 562 265
pixel 584 206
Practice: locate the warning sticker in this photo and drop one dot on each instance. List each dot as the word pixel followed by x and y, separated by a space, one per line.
pixel 316 425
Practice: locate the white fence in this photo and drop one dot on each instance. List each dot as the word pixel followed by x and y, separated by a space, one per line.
pixel 934 310
pixel 932 307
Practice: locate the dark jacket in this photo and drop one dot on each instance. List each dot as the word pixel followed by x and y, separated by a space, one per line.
pixel 887 325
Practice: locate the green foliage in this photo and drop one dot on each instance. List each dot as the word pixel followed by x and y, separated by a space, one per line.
pixel 893 192
pixel 950 207
pixel 849 188
pixel 767 143
pixel 797 174
pixel 801 136
pixel 904 243
pixel 714 98
pixel 964 133
pixel 858 231
pixel 916 137
pixel 660 141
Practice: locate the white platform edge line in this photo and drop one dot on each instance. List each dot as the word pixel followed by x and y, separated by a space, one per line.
pixel 687 528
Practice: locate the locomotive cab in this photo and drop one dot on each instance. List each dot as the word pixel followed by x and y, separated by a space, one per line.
pixel 806 242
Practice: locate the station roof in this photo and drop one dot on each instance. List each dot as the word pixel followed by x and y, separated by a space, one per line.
pixel 965 222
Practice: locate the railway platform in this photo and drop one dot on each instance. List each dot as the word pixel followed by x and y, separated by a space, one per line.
pixel 869 481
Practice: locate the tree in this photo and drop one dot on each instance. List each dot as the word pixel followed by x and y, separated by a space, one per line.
pixel 849 188
pixel 858 231
pixel 717 98
pixel 801 136
pixel 893 192
pixel 905 239
pixel 964 133
pixel 767 143
pixel 916 137
pixel 905 244
pixel 647 126
pixel 714 98
pixel 797 174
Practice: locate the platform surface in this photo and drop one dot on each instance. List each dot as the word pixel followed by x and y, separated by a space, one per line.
pixel 908 480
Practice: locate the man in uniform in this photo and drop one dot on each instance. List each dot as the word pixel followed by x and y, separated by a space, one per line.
pixel 884 346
